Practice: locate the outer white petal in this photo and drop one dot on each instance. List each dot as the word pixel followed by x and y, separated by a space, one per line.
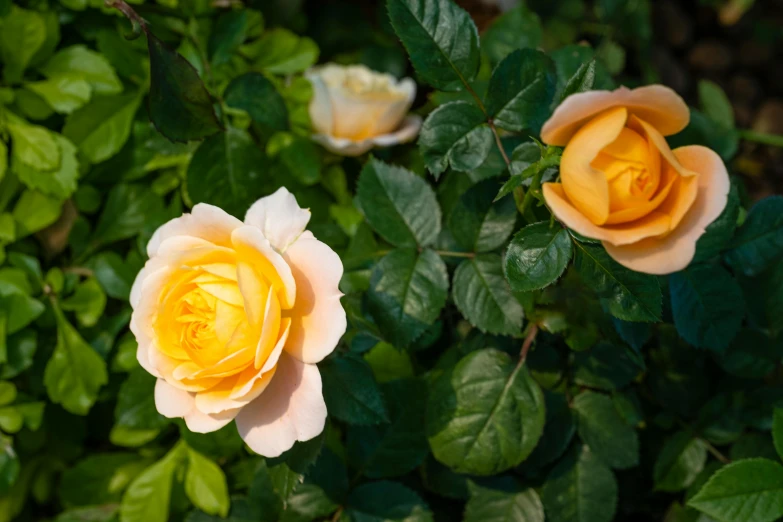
pixel 172 402
pixel 204 221
pixel 345 147
pixel 318 319
pixel 321 113
pixel 279 217
pixel 292 408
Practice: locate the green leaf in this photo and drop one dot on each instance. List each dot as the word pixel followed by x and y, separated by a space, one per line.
pixel 101 128
pixel 748 490
pixel 628 295
pixel 136 403
pixel 7 393
pixel 751 355
pixel 707 305
pixel 489 505
pixel 407 291
pixel 75 372
pixel 227 171
pixel 22 34
pixel 482 295
pixel 9 464
pixel 88 302
pixel 777 431
pixel 179 104
pixel 32 145
pixel 521 91
pixel 537 256
pixel 517 28
pixel 21 349
pixel 582 80
pixel 606 367
pixel 485 415
pixel 759 241
pixel 205 484
pixel 350 391
pixel 559 428
pixel 229 32
pixel 147 498
pixel 279 51
pixel 480 224
pixel 398 204
pixel 128 208
pixel 396 448
pixel 115 276
pixel 716 104
pixel 455 134
pixel 20 310
pixel 719 233
pixel 254 93
pixel 307 502
pixel 100 478
pixel 35 211
pixel 388 363
pixel 385 501
pixel 441 40
pixel 60 182
pixel 609 437
pixel 64 93
pixel 85 64
pixel 679 462
pixel 580 488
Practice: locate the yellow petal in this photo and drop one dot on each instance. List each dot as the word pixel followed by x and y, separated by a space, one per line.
pixel 586 187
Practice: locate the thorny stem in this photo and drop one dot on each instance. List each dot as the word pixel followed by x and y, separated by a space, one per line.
pixel 528 342
pixel 447 253
pixel 337 514
pixel 715 452
pixel 500 143
pixel 139 24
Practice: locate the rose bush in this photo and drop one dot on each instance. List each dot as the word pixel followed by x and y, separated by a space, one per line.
pixel 384 260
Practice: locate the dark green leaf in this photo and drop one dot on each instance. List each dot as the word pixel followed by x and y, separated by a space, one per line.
pixel 394 449
pixel 136 403
pixel 482 295
pixel 580 488
pixel 559 428
pixel 486 415
pixel 100 478
pixel 399 205
pixel 718 233
pixel 517 28
pixel 408 289
pixel 777 431
pixel 228 34
pixel 521 91
pixel 385 501
pixel 537 256
pixel 752 355
pixel 9 465
pixel 681 459
pixel 582 80
pixel 629 295
pixel 227 171
pixel 744 491
pixel 127 210
pixel 480 224
pixel 609 437
pixel 606 367
pixel 350 391
pixel 440 38
pixel 254 93
pixel 707 305
pixel 759 241
pixel 489 505
pixel 179 104
pixel 455 134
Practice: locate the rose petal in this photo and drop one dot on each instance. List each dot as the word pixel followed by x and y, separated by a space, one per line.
pixel 318 318
pixel 279 217
pixel 654 224
pixel 345 147
pixel 587 188
pixel 204 221
pixel 172 402
pixel 321 112
pixel 253 248
pixel 291 409
pixel 676 250
pixel 660 106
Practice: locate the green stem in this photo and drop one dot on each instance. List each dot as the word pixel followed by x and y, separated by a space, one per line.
pixel 448 253
pixel 775 140
pixel 499 143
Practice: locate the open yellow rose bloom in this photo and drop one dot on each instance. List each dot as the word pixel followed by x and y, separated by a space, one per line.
pixel 622 184
pixel 232 317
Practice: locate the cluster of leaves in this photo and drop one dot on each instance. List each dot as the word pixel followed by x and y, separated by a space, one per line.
pixel 497 366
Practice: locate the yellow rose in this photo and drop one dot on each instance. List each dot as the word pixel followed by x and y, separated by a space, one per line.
pixel 355 109
pixel 231 318
pixel 622 184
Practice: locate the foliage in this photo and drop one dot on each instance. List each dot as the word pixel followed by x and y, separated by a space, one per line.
pixel 497 366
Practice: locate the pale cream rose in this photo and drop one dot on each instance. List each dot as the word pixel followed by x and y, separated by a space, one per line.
pixel 622 184
pixel 232 316
pixel 354 109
